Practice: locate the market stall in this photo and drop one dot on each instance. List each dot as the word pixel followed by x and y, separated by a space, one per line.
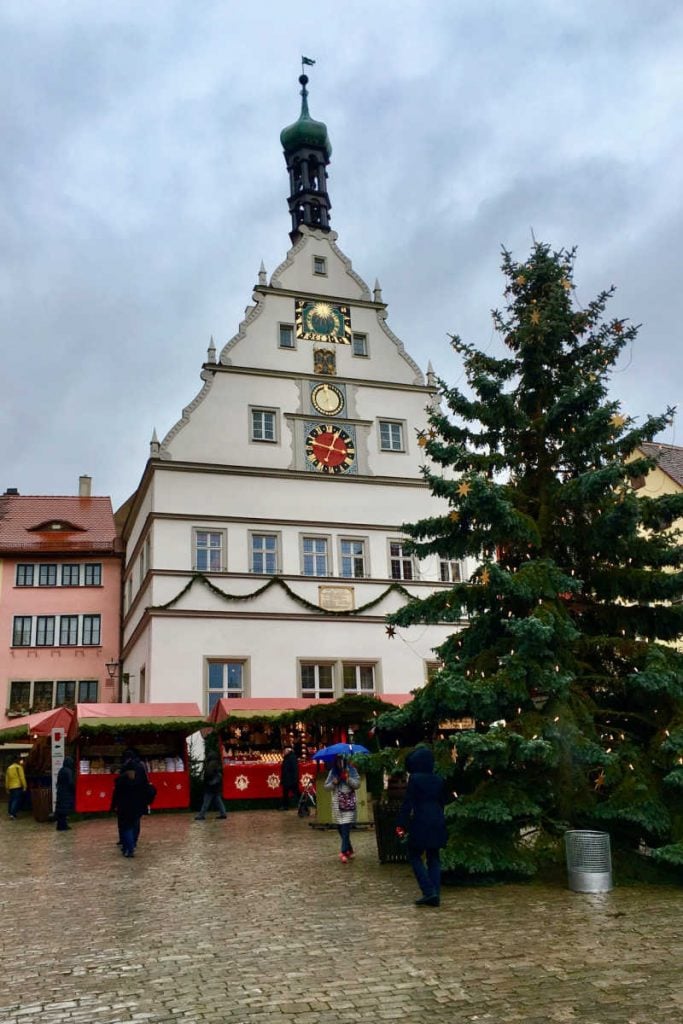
pixel 34 736
pixel 253 732
pixel 101 733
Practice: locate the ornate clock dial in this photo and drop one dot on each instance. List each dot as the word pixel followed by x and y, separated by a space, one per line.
pixel 330 449
pixel 327 398
pixel 323 321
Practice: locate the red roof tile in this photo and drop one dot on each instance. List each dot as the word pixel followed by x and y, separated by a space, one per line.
pixel 88 524
pixel 669 458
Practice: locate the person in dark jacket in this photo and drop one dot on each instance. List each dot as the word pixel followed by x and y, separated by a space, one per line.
pixel 289 777
pixel 128 798
pixel 66 794
pixel 213 783
pixel 422 819
pixel 131 756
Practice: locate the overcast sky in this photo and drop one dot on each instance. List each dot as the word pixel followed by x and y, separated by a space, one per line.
pixel 142 182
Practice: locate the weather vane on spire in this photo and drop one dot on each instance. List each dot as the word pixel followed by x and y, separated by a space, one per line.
pixel 306 61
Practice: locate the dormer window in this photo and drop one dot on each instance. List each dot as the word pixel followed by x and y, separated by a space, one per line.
pixel 56 526
pixel 320 266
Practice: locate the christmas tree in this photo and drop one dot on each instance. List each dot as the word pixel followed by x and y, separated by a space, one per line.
pixel 566 663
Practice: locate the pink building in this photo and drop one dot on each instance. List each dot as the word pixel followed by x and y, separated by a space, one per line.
pixel 60 587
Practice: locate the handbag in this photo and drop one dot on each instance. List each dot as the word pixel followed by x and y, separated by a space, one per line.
pixel 346 801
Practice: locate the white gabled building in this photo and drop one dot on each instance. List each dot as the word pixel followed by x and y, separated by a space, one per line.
pixel 278 496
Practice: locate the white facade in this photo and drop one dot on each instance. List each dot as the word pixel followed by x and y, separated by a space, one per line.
pixel 255 482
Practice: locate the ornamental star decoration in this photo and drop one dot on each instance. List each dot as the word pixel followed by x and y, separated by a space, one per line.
pixel 390 631
pixel 617 420
pixel 464 489
pixel 535 317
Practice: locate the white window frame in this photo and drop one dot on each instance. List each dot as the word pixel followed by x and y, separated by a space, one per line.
pixel 358 666
pixel 363 340
pixel 401 557
pixel 363 541
pixel 260 410
pixel 319 261
pixel 328 555
pixel 392 447
pixel 318 692
pixel 223 534
pixel 225 690
pixel 292 331
pixel 277 537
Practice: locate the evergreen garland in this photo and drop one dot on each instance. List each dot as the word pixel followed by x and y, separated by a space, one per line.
pixel 199 577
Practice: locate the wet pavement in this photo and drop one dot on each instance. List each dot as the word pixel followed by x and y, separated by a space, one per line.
pixel 253 920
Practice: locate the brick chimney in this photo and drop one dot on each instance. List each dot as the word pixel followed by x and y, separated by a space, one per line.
pixel 84 484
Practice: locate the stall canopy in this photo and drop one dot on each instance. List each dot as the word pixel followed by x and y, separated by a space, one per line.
pixel 93 718
pixel 275 707
pixel 40 724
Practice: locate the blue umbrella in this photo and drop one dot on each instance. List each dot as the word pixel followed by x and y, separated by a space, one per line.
pixel 343 749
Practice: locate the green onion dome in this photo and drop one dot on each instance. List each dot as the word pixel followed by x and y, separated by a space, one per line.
pixel 305 131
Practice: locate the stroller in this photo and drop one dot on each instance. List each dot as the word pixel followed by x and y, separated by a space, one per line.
pixel 307 800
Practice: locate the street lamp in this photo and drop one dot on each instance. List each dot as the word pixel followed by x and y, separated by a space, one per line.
pixel 113 668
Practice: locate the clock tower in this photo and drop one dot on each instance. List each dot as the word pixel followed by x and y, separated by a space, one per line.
pixel 264 546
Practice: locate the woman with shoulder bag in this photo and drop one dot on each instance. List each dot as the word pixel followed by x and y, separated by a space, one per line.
pixel 343 780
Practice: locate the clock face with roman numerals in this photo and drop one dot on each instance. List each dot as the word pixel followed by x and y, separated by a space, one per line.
pixel 329 449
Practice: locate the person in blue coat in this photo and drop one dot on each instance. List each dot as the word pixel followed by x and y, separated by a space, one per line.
pixel 421 818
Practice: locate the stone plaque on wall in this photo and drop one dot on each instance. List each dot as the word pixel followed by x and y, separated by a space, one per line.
pixel 336 599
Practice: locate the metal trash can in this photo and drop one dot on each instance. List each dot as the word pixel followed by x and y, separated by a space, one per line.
pixel 589 860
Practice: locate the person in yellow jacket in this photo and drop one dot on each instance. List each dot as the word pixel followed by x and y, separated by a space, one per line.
pixel 15 784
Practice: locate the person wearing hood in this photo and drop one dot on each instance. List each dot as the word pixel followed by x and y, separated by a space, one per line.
pixel 66 794
pixel 127 800
pixel 421 818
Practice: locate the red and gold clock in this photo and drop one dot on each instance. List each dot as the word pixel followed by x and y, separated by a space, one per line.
pixel 330 449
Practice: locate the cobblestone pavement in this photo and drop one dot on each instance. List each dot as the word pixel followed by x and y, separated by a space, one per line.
pixel 253 920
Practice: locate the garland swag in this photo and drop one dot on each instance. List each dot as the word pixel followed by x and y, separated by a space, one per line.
pixel 199 577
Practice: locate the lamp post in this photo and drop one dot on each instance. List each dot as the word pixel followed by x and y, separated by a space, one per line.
pixel 113 669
